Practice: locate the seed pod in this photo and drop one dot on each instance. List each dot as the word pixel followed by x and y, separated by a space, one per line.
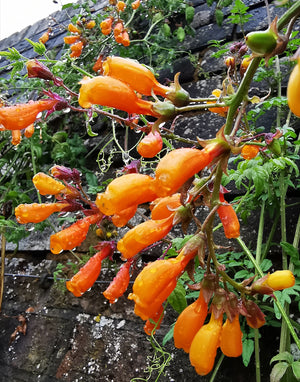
pixel 261 42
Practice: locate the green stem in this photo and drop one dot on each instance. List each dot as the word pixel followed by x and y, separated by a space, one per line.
pixel 34 168
pixel 242 91
pixel 282 189
pixel 80 70
pixel 217 367
pixel 256 350
pixel 3 242
pixel 270 237
pixel 260 233
pixel 250 256
pixel 258 260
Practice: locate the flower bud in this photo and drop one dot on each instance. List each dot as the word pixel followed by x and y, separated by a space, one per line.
pixel 280 280
pixel 35 69
pixel 164 109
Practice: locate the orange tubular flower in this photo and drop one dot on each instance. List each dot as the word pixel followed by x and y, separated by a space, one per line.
pixel 44 38
pixel 157 318
pixel 205 344
pixel 179 165
pixel 293 88
pixel 143 235
pixel 134 74
pixel 119 284
pixel 106 26
pixel 47 185
pixel 98 64
pixel 219 110
pixel 76 49
pixel 229 219
pixel 150 145
pixel 249 151
pixel 36 213
pixel 109 91
pixel 118 28
pixel 231 338
pixel 29 131
pixel 162 208
pixel 155 283
pixel 136 4
pixel 91 24
pixel 126 191
pixel 73 29
pixel 121 218
pixel 70 39
pixel 189 322
pixel 280 280
pixel 72 236
pixel 125 38
pixel 20 116
pixel 88 274
pixel 120 6
pixel 16 137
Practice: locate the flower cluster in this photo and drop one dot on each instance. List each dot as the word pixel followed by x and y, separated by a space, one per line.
pixel 68 199
pixel 22 116
pixel 76 40
pixel 201 340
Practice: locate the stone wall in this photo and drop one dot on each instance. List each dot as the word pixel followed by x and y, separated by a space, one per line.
pixel 86 339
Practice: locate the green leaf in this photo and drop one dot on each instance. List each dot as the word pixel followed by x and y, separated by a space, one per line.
pixel 168 336
pixel 284 356
pixel 241 274
pixel 278 371
pixel 12 54
pixel 296 369
pixel 177 298
pixel 289 249
pixel 219 17
pixel 68 5
pixel 189 14
pixel 266 264
pixel 248 348
pixel 180 34
pixel 179 242
pixel 166 30
pixel 38 47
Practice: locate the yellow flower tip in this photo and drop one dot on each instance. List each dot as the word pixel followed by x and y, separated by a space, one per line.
pixel 281 280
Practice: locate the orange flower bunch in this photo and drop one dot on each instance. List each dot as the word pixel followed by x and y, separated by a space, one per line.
pixel 125 193
pixel 76 40
pixel 69 198
pixel 22 116
pixel 201 340
pixel 122 85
